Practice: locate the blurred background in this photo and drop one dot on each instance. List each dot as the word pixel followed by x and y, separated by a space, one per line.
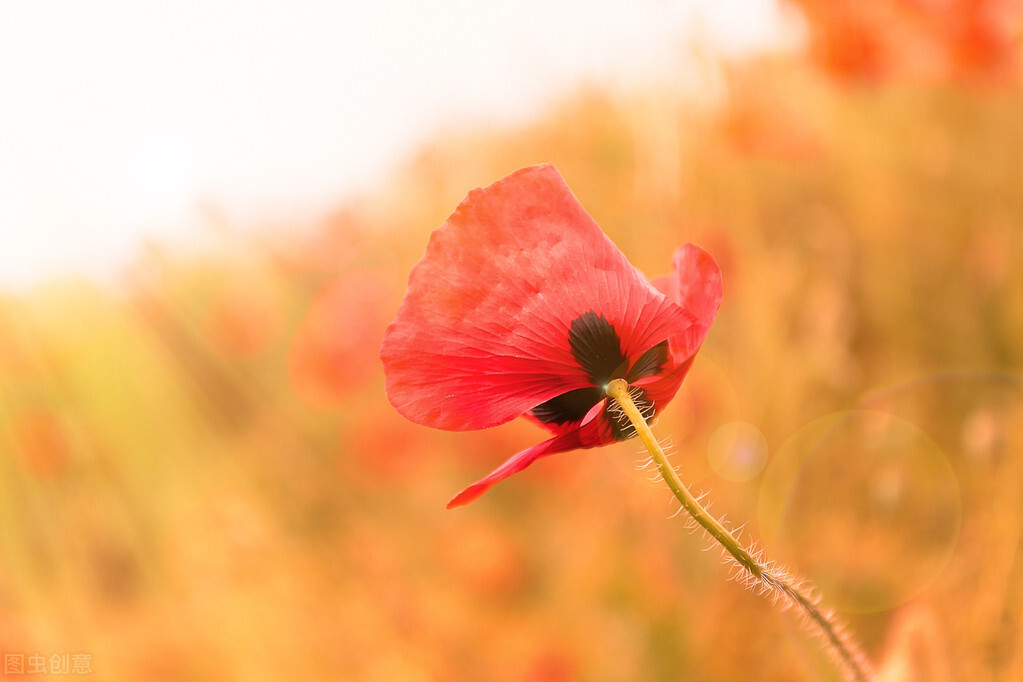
pixel 208 214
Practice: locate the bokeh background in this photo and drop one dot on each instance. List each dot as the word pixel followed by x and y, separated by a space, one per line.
pixel 201 477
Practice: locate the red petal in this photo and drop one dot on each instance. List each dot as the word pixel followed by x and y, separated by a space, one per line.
pixel 592 433
pixel 662 388
pixel 696 288
pixel 482 334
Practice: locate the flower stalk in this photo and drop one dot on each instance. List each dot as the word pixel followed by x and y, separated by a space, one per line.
pixel 754 571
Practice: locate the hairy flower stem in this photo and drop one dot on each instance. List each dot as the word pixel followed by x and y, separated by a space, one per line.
pixel 769 578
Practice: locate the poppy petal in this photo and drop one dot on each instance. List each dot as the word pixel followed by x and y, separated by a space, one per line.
pixel 696 288
pixel 482 335
pixel 592 432
pixel 662 388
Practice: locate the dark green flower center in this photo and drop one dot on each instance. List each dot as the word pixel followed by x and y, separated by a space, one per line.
pixel 597 348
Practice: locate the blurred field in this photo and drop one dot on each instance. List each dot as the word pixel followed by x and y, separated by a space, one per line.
pixel 201 479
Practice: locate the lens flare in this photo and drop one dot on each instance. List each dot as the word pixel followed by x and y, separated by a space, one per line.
pixel 737 451
pixel 886 484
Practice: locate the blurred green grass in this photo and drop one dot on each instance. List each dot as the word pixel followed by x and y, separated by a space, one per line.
pixel 202 479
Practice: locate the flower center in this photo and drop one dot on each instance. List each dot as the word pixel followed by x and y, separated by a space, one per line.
pixel 597 348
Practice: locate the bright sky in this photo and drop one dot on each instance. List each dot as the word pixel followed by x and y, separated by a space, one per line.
pixel 120 118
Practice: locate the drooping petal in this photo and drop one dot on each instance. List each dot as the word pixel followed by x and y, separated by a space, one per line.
pixel 482 335
pixel 512 465
pixel 594 430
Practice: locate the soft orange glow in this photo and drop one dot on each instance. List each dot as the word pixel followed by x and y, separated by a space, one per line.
pixel 201 478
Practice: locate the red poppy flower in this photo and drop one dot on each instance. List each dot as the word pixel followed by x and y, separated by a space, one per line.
pixel 523 307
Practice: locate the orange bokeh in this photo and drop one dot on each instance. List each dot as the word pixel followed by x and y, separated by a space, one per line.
pixel 201 477
pixel 973 42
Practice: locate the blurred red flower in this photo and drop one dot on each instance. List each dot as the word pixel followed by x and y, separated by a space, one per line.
pixel 523 307
pixel 983 38
pixel 932 41
pixel 331 352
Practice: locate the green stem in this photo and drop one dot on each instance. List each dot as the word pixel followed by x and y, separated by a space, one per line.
pixel 762 574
